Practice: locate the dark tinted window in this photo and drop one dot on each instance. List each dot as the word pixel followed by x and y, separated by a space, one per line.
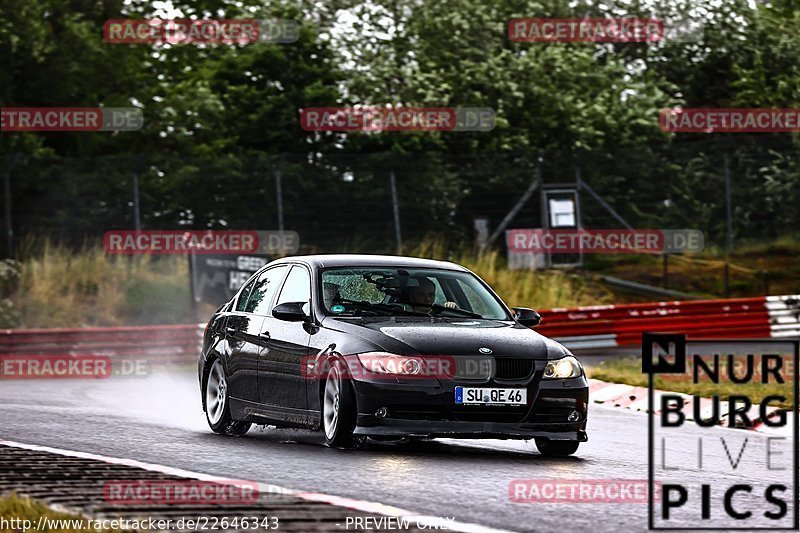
pixel 245 294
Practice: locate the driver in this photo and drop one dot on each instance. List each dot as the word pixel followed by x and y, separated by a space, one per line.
pixel 423 296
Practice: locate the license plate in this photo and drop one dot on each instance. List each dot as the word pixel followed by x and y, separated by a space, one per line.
pixel 486 396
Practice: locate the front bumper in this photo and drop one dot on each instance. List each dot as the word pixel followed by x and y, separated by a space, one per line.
pixel 427 409
pixel 388 427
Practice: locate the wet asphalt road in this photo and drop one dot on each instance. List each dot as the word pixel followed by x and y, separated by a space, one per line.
pixel 158 420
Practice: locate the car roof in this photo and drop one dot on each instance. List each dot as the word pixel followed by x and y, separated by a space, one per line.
pixel 367 260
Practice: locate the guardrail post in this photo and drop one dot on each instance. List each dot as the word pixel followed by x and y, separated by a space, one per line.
pixel 726 280
pixel 279 194
pixel 395 212
pixel 192 289
pixel 728 216
pixel 7 205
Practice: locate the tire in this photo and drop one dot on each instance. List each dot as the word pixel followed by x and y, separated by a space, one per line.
pixel 216 405
pixel 339 410
pixel 557 448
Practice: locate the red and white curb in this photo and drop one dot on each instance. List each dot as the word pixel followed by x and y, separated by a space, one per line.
pixel 784 315
pixel 423 521
pixel 633 398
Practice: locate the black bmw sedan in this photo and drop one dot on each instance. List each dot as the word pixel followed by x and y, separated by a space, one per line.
pixel 387 347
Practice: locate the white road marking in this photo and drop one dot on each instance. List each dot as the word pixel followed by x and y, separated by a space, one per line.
pixel 349 503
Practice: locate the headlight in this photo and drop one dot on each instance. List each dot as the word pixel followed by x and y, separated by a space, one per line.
pixel 389 363
pixel 567 367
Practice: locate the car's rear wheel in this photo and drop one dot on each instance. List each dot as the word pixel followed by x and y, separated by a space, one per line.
pixel 338 410
pixel 557 448
pixel 218 413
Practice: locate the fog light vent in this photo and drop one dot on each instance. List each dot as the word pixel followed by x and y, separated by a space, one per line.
pixel 573 416
pixel 382 412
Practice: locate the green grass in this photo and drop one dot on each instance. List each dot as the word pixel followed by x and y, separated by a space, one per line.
pixel 520 288
pixel 15 507
pixel 55 286
pixel 629 371
pixel 703 273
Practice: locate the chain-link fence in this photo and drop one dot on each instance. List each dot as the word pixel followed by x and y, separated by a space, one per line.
pixel 347 201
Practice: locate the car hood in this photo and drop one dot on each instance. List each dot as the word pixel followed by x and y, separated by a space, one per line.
pixel 450 336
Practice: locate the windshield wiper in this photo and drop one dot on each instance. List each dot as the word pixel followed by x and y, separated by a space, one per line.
pixel 391 310
pixel 388 309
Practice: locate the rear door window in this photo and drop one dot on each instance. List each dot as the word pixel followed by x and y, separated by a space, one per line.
pixel 241 303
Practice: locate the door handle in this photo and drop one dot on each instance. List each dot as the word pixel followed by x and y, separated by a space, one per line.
pixel 264 335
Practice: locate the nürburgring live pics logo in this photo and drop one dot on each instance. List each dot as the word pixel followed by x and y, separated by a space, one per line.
pixel 712 477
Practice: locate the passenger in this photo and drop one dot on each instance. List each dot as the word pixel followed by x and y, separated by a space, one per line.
pixel 330 294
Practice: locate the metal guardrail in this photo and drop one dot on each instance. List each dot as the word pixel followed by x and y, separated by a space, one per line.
pixel 581 327
pixel 649 289
pixel 623 325
pixel 176 344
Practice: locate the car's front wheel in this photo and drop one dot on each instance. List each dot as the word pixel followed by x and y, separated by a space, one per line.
pixel 557 448
pixel 218 413
pixel 338 410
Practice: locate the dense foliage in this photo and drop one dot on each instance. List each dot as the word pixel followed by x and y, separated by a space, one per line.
pixel 220 120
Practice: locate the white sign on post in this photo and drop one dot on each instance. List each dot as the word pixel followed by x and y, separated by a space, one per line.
pixel 562 213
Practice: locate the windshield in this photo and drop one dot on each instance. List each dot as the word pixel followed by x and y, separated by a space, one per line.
pixel 407 292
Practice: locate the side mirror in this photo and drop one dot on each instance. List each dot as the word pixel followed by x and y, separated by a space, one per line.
pixel 290 312
pixel 527 317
